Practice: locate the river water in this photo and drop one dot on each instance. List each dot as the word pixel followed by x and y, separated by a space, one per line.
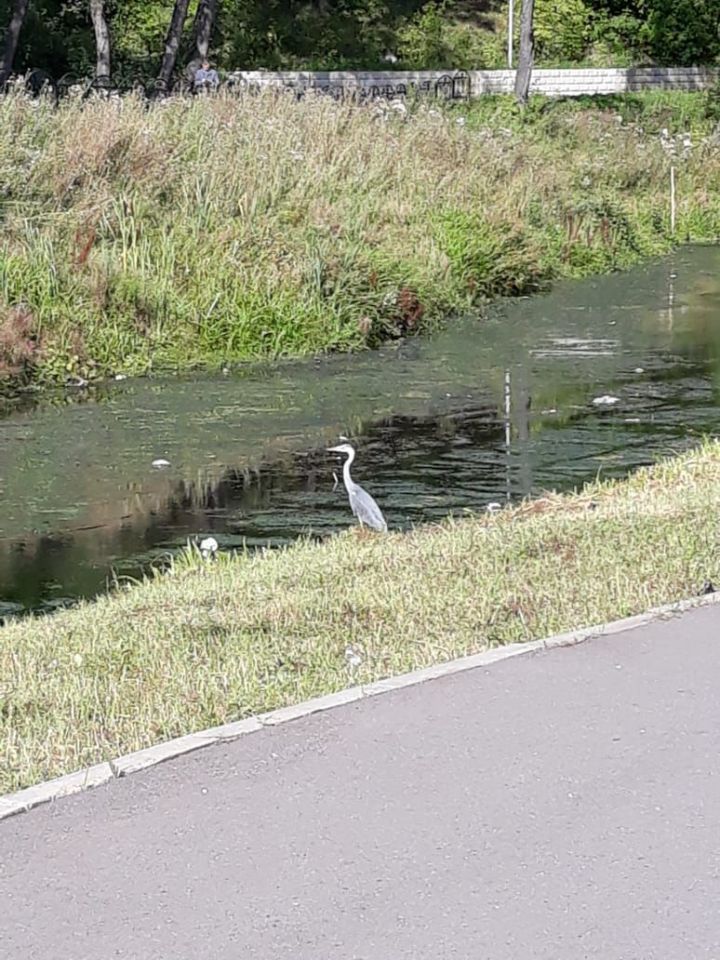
pixel 486 411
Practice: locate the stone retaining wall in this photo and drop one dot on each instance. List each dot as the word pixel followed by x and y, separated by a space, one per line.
pixel 474 83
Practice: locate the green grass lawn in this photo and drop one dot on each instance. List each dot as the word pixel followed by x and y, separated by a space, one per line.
pixel 211 642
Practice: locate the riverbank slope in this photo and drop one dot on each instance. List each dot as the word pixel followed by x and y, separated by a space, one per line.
pixel 209 232
pixel 211 642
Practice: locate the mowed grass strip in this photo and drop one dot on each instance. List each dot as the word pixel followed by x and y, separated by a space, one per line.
pixel 212 642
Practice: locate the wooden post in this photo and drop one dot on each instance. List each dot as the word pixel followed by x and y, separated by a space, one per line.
pixel 508 437
pixel 672 201
pixel 511 29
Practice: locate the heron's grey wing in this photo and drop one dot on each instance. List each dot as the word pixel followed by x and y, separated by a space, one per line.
pixel 366 509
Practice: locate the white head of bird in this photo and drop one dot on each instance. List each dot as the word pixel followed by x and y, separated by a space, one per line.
pixel 346 448
pixel 208 548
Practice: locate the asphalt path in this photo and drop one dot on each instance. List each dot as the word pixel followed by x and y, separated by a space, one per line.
pixel 558 806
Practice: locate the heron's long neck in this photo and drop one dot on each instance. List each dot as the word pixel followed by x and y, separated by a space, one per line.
pixel 346 469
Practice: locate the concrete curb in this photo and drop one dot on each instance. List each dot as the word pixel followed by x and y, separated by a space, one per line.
pixel 123 766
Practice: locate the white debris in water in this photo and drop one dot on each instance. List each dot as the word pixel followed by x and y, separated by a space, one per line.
pixel 639 369
pixel 606 400
pixel 493 507
pixel 208 547
pixel 353 658
pixel 632 419
pixel 577 347
pixel 160 463
pixel 121 376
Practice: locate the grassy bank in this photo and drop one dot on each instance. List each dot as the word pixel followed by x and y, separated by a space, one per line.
pixel 215 231
pixel 213 642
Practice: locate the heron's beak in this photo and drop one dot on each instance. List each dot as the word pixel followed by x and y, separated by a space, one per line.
pixel 335 450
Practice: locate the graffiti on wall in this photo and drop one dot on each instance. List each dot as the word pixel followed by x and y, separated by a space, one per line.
pixel 454 86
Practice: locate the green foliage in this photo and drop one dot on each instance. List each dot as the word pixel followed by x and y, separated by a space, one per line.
pixel 712 103
pixel 435 38
pixel 617 39
pixel 355 34
pixel 138 33
pixel 683 32
pixel 562 29
pixel 490 259
pixel 423 42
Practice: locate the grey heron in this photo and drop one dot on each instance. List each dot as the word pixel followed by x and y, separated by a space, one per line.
pixel 362 504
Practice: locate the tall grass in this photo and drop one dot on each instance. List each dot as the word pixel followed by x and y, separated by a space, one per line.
pixel 219 230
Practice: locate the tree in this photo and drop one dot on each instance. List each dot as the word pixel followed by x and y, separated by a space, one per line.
pixel 12 35
pixel 526 53
pixel 683 32
pixel 172 41
pixel 203 28
pixel 102 40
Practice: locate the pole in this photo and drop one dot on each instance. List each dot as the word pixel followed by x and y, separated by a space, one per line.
pixel 508 438
pixel 511 28
pixel 672 200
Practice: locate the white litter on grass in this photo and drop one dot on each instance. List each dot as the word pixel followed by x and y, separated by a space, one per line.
pixel 607 400
pixel 160 463
pixel 493 507
pixel 121 376
pixel 353 658
pixel 208 547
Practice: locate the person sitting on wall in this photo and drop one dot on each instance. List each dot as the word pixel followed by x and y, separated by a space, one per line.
pixel 205 78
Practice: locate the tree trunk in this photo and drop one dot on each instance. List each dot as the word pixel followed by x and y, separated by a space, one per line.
pixel 102 40
pixel 203 28
pixel 172 41
pixel 9 48
pixel 526 53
